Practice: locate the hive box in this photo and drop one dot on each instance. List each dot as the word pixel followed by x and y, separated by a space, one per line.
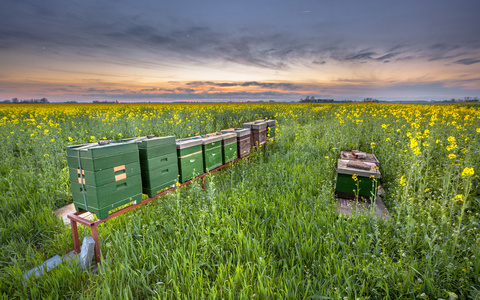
pixel 259 132
pixel 190 158
pixel 243 140
pixel 212 151
pixel 158 162
pixel 229 146
pixel 367 175
pixel 104 176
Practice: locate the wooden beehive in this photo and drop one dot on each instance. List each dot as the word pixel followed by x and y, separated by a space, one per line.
pixel 158 162
pixel 229 146
pixel 243 140
pixel 190 158
pixel 356 178
pixel 212 151
pixel 259 132
pixel 104 176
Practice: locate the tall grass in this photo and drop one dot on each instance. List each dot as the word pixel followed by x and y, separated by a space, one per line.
pixel 268 229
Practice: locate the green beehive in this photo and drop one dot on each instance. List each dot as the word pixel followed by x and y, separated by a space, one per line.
pixel 190 158
pixel 158 162
pixel 271 129
pixel 229 147
pixel 356 178
pixel 243 140
pixel 212 151
pixel 104 176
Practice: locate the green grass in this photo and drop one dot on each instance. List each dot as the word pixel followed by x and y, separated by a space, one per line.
pixel 268 229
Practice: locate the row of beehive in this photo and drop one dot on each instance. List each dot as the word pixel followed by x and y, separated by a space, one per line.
pixel 104 175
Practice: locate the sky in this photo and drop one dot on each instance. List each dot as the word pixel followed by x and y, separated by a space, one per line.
pixel 282 50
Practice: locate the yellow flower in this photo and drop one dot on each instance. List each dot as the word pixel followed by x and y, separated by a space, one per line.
pixel 372 145
pixel 478 130
pixel 426 190
pixel 468 172
pixel 70 139
pixel 402 181
pixel 458 197
pixel 451 139
pixel 355 177
pixel 452 156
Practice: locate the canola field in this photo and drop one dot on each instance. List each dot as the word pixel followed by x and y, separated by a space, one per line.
pixel 264 230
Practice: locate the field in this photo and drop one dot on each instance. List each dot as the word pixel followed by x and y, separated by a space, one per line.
pixel 266 230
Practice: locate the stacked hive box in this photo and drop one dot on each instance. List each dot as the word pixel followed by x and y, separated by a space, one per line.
pixel 243 140
pixel 158 162
pixel 190 158
pixel 212 151
pixel 104 176
pixel 229 146
pixel 259 132
pixel 357 175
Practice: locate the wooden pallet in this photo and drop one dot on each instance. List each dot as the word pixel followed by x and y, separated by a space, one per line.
pixel 349 207
pixel 62 212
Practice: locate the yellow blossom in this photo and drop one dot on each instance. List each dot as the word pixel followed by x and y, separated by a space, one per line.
pixel 452 156
pixel 355 177
pixel 468 172
pixel 402 181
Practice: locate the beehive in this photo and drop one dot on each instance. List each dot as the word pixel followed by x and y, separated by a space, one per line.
pixel 243 140
pixel 259 132
pixel 158 162
pixel 190 158
pixel 212 151
pixel 356 178
pixel 229 146
pixel 104 176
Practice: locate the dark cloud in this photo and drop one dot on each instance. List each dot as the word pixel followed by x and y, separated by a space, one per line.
pixel 468 61
pixel 266 85
pixel 361 56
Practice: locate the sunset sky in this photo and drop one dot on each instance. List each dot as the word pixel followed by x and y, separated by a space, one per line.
pixel 152 50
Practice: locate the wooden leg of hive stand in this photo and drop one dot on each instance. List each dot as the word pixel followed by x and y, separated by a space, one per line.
pixel 97 242
pixel 76 242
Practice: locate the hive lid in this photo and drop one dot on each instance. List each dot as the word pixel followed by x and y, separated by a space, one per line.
pixel 188 142
pixel 270 123
pixel 367 157
pixel 211 138
pixel 238 131
pixel 259 124
pixel 101 149
pixel 228 135
pixel 151 141
pixel 362 169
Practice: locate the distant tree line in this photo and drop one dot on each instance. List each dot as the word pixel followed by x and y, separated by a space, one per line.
pixel 465 99
pixel 311 99
pixel 104 102
pixel 31 101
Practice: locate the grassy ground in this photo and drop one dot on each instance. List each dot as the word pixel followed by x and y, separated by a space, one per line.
pixel 268 229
